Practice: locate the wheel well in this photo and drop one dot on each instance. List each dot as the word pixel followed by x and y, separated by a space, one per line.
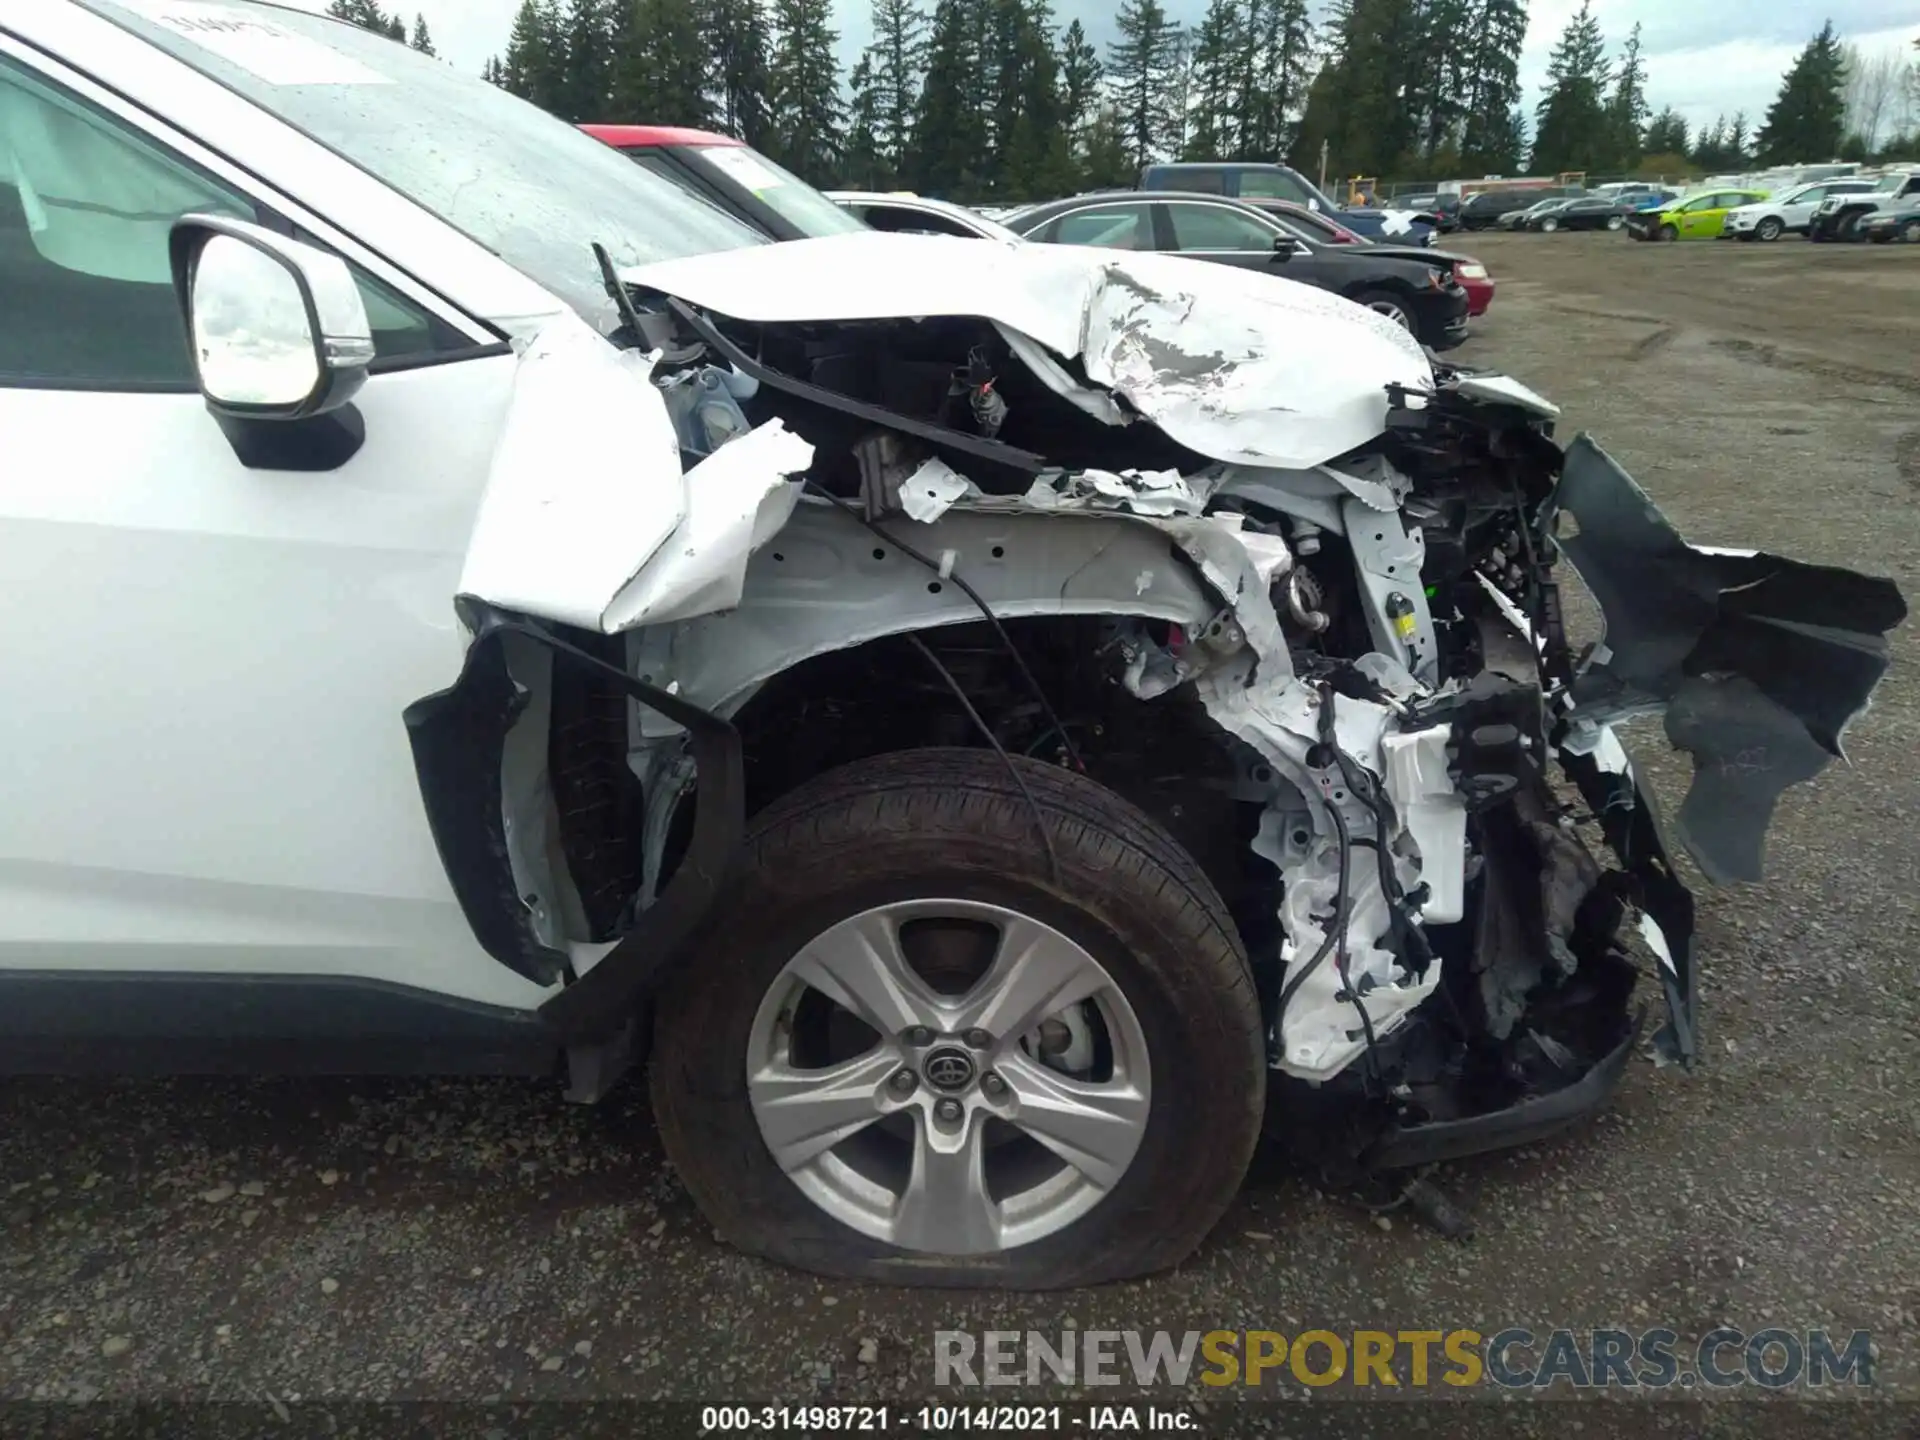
pixel 1166 755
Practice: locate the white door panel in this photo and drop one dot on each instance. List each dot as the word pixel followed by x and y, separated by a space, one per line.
pixel 207 768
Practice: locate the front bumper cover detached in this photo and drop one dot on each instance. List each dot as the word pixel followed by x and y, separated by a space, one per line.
pixel 458 738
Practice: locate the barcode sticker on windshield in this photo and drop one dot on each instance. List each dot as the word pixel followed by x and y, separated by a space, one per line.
pixel 258 46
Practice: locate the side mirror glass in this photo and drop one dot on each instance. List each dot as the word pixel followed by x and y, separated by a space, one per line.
pixel 1285 247
pixel 278 328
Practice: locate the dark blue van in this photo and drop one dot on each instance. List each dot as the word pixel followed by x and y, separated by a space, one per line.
pixel 1282 182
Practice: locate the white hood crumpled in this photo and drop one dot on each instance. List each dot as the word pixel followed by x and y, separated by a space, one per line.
pixel 590 519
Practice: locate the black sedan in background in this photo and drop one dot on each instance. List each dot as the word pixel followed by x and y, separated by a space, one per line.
pixel 1417 293
pixel 1585 212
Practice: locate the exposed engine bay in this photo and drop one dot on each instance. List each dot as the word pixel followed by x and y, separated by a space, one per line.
pixel 1317 633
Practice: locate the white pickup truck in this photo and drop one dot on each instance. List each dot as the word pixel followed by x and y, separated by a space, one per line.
pixel 1843 217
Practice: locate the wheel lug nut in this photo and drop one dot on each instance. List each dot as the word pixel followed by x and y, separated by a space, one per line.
pixel 919 1035
pixel 948 1110
pixel 978 1039
pixel 903 1082
pixel 993 1084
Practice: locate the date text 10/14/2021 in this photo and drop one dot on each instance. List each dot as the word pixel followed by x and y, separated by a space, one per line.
pixel 945 1419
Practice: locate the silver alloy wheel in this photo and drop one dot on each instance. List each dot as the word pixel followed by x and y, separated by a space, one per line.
pixel 1394 311
pixel 1549 224
pixel 1614 222
pixel 946 1130
pixel 1769 229
pixel 1910 232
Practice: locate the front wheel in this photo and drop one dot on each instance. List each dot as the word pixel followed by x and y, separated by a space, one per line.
pixel 914 1053
pixel 1769 228
pixel 1910 232
pixel 1385 302
pixel 1669 232
pixel 1549 225
pixel 1614 222
pixel 1848 229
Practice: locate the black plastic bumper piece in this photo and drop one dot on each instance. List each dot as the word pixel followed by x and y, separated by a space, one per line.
pixel 1406 1147
pixel 458 736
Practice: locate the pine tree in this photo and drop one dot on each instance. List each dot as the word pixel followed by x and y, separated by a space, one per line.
pixel 1027 146
pixel 1109 160
pixel 535 63
pixel 1220 51
pixel 803 90
pixel 1571 130
pixel 1143 65
pixel 864 166
pixel 1667 134
pixel 948 155
pixel 1081 75
pixel 1627 109
pixel 492 73
pixel 590 44
pixel 1441 73
pixel 422 41
pixel 1710 146
pixel 662 66
pixel 1488 145
pixel 1739 146
pixel 368 15
pixel 1806 120
pixel 1276 66
pixel 895 61
pixel 738 39
pixel 1366 102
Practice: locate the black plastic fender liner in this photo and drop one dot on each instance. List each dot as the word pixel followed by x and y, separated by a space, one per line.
pixel 458 736
pixel 1630 821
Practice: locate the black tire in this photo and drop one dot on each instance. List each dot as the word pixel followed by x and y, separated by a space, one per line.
pixel 1669 232
pixel 1849 227
pixel 1381 301
pixel 954 823
pixel 1769 228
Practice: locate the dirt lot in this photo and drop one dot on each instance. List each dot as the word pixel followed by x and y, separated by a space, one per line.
pixel 471 1240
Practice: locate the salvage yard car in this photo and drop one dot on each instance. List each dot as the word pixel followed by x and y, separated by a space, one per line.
pixel 1412 286
pixel 1844 216
pixel 1699 216
pixel 990 725
pixel 1788 211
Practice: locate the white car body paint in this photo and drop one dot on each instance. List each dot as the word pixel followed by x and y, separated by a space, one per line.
pixel 1244 368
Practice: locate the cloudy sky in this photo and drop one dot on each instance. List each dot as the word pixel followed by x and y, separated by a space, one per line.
pixel 1705 57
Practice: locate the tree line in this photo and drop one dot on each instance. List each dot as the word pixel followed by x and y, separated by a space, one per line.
pixel 982 99
pixel 979 100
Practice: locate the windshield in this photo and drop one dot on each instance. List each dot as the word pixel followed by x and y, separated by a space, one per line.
pixel 1888 183
pixel 781 191
pixel 527 186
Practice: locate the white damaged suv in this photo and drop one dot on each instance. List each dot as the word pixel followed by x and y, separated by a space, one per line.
pixel 990 726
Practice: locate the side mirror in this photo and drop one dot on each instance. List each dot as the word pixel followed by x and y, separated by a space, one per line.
pixel 1285 247
pixel 278 328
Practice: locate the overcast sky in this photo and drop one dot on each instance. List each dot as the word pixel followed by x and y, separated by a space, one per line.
pixel 1704 57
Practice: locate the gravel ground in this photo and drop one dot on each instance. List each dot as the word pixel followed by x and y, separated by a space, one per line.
pixel 468 1241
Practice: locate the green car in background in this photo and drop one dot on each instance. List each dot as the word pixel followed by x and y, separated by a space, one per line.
pixel 1700 216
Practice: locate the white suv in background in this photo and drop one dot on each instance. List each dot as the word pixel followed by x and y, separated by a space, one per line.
pixel 1790 209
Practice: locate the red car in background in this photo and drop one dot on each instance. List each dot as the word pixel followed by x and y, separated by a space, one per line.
pixel 732 175
pixel 1471 274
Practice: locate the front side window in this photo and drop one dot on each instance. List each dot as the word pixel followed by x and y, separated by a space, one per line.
pixel 1112 227
pixel 1209 227
pixel 86 279
pixel 86 283
pixel 1274 185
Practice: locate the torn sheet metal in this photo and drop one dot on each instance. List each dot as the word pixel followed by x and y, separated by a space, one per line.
pixel 1151 493
pixel 738 498
pixel 588 516
pixel 931 490
pixel 1238 366
pixel 1759 661
pixel 585 484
